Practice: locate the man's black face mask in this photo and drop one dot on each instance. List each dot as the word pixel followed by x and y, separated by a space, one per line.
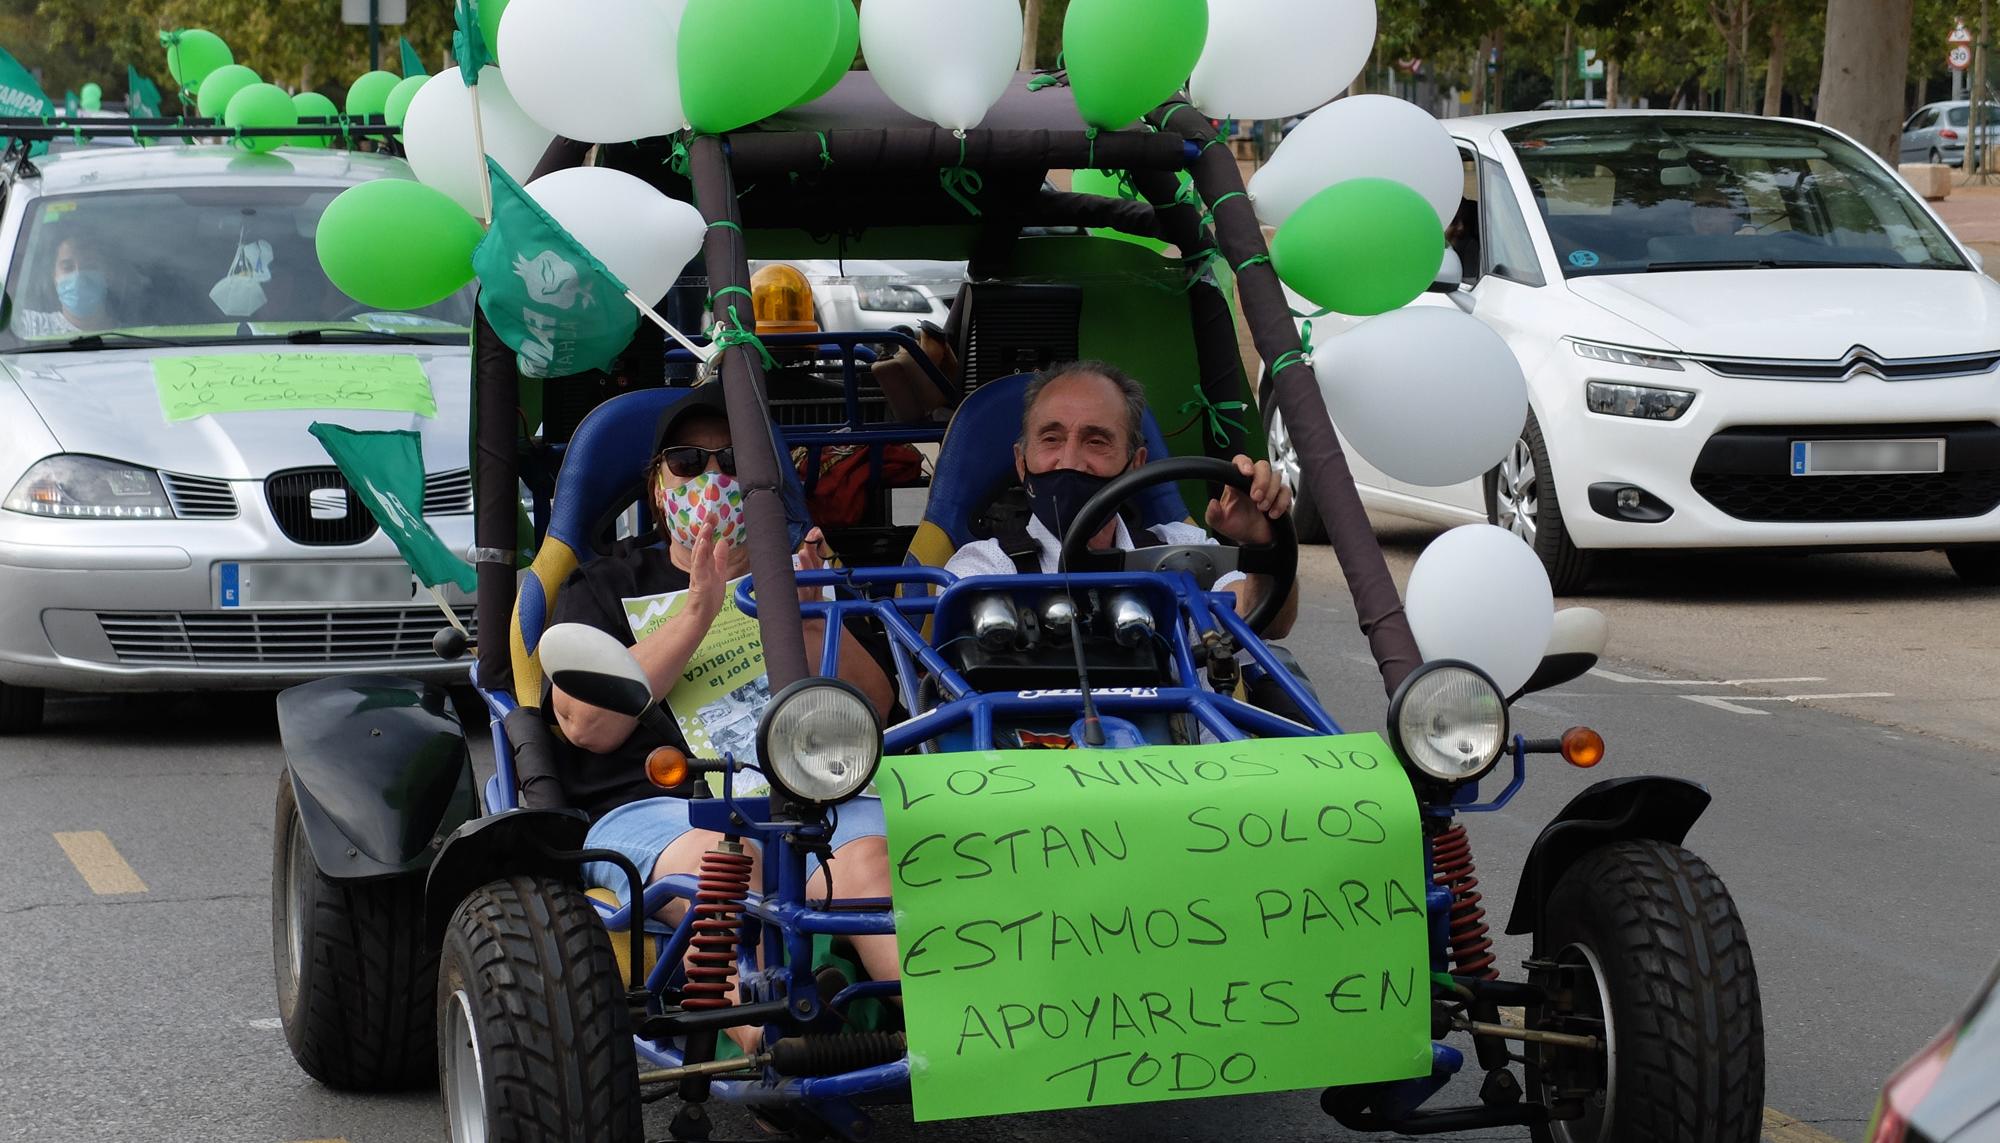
pixel 1057 497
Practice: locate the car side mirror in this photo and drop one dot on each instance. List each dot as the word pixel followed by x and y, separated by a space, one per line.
pixel 1450 275
pixel 592 666
pixel 1978 259
pixel 1575 645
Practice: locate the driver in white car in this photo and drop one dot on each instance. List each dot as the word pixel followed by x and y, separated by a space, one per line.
pixel 1082 426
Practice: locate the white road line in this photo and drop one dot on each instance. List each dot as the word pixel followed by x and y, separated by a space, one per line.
pixel 1733 702
pixel 267 1024
pixel 1615 677
pixel 1723 704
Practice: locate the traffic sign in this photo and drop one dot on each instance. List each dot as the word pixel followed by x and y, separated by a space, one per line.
pixel 1588 66
pixel 1959 35
pixel 1960 57
pixel 386 11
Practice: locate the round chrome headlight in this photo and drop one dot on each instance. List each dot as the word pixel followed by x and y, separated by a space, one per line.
pixel 820 741
pixel 1449 721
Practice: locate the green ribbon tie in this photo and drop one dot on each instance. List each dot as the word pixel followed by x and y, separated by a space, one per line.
pixel 1208 218
pixel 825 154
pixel 726 337
pixel 961 182
pixel 1216 413
pixel 677 159
pixel 1299 356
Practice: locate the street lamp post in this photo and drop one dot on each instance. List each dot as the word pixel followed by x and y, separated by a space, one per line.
pixel 1975 147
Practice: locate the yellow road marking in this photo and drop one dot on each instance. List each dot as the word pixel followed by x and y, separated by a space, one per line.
pixel 97 859
pixel 1782 1128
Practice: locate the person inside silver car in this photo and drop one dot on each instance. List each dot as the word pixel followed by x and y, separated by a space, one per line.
pixel 80 285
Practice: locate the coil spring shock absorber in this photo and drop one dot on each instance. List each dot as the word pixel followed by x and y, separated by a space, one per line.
pixel 1451 867
pixel 719 898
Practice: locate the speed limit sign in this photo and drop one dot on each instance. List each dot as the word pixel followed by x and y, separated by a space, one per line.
pixel 1960 57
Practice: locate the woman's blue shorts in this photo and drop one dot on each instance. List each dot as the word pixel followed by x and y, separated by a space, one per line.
pixel 643 830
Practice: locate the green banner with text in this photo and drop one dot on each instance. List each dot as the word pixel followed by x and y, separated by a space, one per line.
pixel 1101 927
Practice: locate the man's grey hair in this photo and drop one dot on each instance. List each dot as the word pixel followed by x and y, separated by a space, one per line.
pixel 1129 388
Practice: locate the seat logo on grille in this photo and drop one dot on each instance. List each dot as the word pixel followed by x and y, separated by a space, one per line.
pixel 328 503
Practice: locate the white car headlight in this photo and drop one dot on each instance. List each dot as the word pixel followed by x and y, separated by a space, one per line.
pixel 89 488
pixel 893 298
pixel 1616 356
pixel 1643 401
pixel 820 741
pixel 1449 721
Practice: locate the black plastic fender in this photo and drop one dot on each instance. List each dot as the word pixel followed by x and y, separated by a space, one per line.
pixel 500 845
pixel 1649 806
pixel 380 769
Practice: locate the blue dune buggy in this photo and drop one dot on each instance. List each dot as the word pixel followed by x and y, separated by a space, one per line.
pixel 428 925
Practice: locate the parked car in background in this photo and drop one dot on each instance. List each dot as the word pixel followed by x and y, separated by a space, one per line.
pixel 166 521
pixel 1738 332
pixel 1946 1093
pixel 863 294
pixel 1938 132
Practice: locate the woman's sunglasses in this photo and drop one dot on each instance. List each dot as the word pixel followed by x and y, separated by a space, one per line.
pixel 689 461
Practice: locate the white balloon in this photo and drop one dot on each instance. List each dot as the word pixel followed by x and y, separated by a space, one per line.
pixel 598 71
pixel 641 235
pixel 1427 394
pixel 945 62
pixel 1272 59
pixel 1479 594
pixel 437 135
pixel 1362 136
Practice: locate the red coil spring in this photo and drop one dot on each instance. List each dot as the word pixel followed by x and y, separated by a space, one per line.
pixel 711 961
pixel 1451 867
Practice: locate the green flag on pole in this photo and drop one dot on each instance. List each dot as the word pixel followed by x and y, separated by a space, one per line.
pixel 386 472
pixel 551 302
pixel 468 43
pixel 413 64
pixel 21 97
pixel 70 104
pixel 142 98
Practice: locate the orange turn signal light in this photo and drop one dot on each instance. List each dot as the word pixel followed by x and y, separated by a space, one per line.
pixel 667 768
pixel 1582 747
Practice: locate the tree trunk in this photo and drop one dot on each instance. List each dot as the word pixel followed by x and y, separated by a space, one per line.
pixel 1031 32
pixel 1568 61
pixel 1774 72
pixel 1867 63
pixel 1611 83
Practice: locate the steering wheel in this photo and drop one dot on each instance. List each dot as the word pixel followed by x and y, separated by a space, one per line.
pixel 1278 559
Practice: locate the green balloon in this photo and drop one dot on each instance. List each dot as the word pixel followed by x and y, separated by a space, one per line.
pixel 733 74
pixel 399 99
pixel 192 54
pixel 489 25
pixel 370 93
pixel 1360 247
pixel 1126 57
pixel 846 42
pixel 261 105
pixel 221 86
pixel 313 105
pixel 395 244
pixel 1109 185
pixel 92 97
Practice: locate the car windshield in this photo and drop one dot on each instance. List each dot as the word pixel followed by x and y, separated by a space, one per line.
pixel 1625 195
pixel 192 265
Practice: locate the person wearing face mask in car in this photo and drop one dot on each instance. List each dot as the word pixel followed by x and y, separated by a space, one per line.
pixel 81 284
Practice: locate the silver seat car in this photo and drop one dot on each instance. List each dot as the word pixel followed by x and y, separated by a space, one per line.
pixel 168 523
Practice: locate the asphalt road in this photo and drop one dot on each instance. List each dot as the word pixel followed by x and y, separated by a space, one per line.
pixel 1858 849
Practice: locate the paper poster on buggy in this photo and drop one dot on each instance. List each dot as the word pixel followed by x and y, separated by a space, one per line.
pixel 724 687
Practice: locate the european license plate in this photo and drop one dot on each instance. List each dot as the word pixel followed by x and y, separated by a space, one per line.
pixel 312 583
pixel 1860 458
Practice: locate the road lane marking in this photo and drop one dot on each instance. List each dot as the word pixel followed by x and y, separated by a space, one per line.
pixel 1724 704
pixel 97 860
pixel 1615 677
pixel 267 1023
pixel 1732 703
pixel 1782 1128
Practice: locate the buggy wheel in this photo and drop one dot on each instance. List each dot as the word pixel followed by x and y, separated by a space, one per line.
pixel 354 978
pixel 537 1043
pixel 1643 948
pixel 20 709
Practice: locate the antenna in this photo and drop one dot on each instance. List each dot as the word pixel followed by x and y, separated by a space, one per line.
pixel 1093 730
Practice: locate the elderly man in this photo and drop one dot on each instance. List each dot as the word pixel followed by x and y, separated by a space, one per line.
pixel 1081 426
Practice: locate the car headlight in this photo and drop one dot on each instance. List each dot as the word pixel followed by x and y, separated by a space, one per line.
pixel 1644 401
pixel 820 741
pixel 89 488
pixel 1449 721
pixel 894 299
pixel 1638 359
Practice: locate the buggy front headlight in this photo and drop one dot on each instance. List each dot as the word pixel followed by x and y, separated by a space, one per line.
pixel 820 741
pixel 1449 721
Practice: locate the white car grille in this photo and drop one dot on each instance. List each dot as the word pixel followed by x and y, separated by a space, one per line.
pixel 199 497
pixel 275 638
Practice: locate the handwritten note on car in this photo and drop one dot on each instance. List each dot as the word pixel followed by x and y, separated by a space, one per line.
pixel 196 385
pixel 1097 927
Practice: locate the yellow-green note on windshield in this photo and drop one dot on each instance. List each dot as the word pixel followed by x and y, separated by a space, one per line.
pixel 195 385
pixel 1084 928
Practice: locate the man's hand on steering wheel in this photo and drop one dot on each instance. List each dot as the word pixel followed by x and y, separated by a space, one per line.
pixel 1245 517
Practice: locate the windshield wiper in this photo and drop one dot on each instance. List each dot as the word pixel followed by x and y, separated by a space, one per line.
pixel 98 341
pixel 317 336
pixel 1716 264
pixel 1783 264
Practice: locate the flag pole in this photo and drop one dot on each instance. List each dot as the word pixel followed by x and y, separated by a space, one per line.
pixel 450 616
pixel 702 353
pixel 479 141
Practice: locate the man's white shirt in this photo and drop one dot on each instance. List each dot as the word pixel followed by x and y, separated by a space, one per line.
pixel 986 557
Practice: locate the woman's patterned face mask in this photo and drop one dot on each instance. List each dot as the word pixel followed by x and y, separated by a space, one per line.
pixel 711 496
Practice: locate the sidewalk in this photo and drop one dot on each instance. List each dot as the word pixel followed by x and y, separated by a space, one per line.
pixel 1973 214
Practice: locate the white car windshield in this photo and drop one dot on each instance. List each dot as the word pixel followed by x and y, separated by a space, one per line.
pixel 1624 195
pixel 192 265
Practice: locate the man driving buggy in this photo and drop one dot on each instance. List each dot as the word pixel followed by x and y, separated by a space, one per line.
pixel 1082 425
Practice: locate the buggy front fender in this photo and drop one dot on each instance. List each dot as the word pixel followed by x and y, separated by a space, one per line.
pixel 379 767
pixel 499 846
pixel 1619 809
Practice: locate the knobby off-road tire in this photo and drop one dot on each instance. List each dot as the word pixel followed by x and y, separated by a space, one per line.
pixel 354 979
pixel 1686 1025
pixel 535 1042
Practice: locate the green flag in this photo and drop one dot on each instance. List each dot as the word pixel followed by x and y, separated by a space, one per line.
pixel 468 43
pixel 21 97
pixel 142 98
pixel 555 306
pixel 413 64
pixel 386 471
pixel 70 105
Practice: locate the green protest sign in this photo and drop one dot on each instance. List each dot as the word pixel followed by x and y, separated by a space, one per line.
pixel 196 385
pixel 1091 928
